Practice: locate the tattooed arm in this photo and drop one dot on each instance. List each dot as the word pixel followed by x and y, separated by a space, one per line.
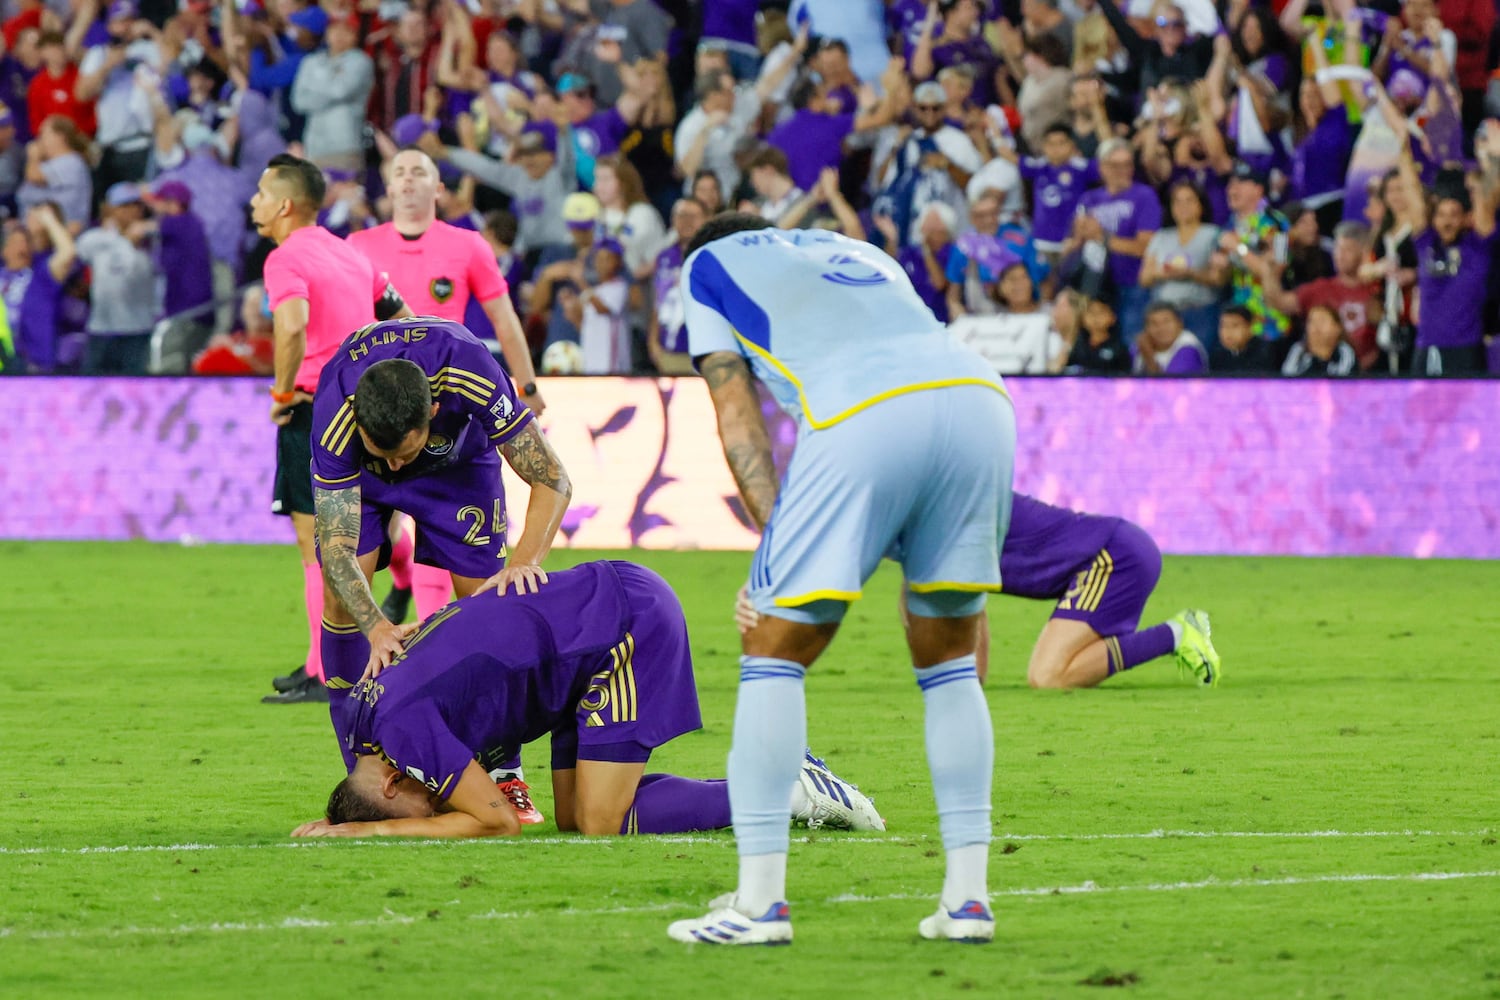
pixel 742 428
pixel 338 513
pixel 532 458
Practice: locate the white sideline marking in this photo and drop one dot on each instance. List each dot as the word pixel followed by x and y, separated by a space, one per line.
pixel 390 919
pixel 609 842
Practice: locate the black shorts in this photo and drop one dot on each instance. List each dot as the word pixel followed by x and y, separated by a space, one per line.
pixel 293 492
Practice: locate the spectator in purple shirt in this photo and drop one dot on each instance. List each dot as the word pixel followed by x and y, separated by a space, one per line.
pixel 1058 179
pixel 730 25
pixel 1166 348
pixel 840 87
pixel 1454 251
pixel 182 249
pixel 39 259
pixel 1123 215
pixel 1320 160
pixel 598 133
pixel 925 262
pixel 953 37
pixel 813 137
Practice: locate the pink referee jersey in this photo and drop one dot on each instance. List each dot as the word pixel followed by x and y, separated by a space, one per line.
pixel 438 271
pixel 340 285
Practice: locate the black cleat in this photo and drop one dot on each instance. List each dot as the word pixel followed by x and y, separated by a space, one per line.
pixel 396 604
pixel 288 681
pixel 310 690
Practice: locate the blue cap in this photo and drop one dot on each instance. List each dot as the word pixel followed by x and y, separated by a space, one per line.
pixel 123 193
pixel 609 243
pixel 406 130
pixel 310 19
pixel 574 82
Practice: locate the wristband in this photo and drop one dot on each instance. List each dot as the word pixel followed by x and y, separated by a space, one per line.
pixel 529 389
pixel 283 397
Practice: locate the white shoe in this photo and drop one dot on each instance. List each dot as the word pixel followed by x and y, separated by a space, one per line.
pixel 727 925
pixel 829 801
pixel 972 923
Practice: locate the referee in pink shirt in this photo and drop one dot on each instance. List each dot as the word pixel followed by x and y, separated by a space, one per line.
pixel 320 290
pixel 437 268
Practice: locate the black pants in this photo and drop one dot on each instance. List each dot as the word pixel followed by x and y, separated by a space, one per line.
pixel 117 353
pixel 1450 362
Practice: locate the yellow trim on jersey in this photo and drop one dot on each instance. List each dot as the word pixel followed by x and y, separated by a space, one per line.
pixel 478 380
pixel 507 428
pixel 335 427
pixel 337 684
pixel 349 629
pixel 965 588
pixel 847 596
pixel 446 783
pixel 880 397
pixel 336 482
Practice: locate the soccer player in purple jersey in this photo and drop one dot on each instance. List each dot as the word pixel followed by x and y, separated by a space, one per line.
pixel 1100 570
pixel 409 416
pixel 599 658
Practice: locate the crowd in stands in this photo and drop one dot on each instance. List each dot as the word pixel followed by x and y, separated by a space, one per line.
pixel 1178 187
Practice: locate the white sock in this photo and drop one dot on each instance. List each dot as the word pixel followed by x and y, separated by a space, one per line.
pixel 960 755
pixel 770 738
pixel 1176 628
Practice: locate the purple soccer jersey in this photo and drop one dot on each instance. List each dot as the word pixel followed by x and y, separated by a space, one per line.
pixel 671 323
pixel 1055 190
pixel 452 489
pixel 1133 211
pixel 1451 280
pixel 1100 570
pixel 598 657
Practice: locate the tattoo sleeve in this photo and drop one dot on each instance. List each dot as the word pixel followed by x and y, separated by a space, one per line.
pixel 742 428
pixel 531 456
pixel 338 514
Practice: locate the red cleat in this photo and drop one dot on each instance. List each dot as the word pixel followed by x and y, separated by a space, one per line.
pixel 519 795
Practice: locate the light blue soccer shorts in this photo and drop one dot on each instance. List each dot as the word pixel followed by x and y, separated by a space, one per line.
pixel 925 475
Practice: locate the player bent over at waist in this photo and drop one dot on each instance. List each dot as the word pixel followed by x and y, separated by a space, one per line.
pixel 599 658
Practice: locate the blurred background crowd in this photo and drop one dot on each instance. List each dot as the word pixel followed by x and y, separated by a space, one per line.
pixel 1163 186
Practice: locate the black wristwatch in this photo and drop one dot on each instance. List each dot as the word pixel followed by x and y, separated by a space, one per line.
pixel 529 389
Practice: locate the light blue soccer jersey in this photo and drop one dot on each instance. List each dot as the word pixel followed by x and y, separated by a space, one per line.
pixel 831 325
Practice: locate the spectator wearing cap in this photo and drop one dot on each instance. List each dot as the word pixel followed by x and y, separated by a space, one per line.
pixel 39 261
pixel 405 66
pixel 119 76
pixel 538 175
pixel 603 330
pixel 1238 351
pixel 1255 229
pixel 554 295
pixel 597 132
pixel 933 163
pixel 53 89
pixel 953 37
pixel 183 258
pixel 666 330
pixel 1122 215
pixel 628 31
pixel 332 90
pixel 1354 302
pixel 57 171
pixel 123 304
pixel 1165 347
pixel 1455 242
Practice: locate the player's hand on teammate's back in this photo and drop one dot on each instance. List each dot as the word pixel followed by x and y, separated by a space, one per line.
pixel 527 578
pixel 281 413
pixel 386 643
pixel 745 615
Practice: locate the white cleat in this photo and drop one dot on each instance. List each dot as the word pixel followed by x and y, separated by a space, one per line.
pixel 727 925
pixel 826 800
pixel 971 923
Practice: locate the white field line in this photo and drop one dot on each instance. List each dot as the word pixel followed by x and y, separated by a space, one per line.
pixel 391 919
pixel 609 842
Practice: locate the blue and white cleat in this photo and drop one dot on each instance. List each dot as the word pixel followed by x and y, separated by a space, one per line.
pixel 823 799
pixel 971 923
pixel 725 924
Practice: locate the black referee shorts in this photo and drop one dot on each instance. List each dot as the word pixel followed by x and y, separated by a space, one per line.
pixel 293 489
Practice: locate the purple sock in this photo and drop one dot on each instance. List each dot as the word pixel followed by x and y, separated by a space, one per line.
pixel 1126 651
pixel 345 653
pixel 665 803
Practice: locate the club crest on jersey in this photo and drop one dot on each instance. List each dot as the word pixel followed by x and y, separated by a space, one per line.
pixel 441 289
pixel 854 272
pixel 503 410
pixel 438 445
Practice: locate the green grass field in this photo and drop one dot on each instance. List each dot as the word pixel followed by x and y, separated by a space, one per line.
pixel 1322 824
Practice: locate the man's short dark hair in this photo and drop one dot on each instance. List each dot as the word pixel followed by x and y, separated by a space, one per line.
pixel 769 156
pixel 1239 312
pixel 1163 307
pixel 1050 49
pixel 1059 128
pixel 393 398
pixel 349 804
pixel 727 224
pixel 502 225
pixel 303 177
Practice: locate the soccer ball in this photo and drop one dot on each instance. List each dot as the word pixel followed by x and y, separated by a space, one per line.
pixel 562 357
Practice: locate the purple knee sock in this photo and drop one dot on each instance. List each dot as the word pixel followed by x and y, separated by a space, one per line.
pixel 665 803
pixel 345 653
pixel 1126 651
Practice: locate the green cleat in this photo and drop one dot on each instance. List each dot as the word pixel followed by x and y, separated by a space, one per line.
pixel 1195 653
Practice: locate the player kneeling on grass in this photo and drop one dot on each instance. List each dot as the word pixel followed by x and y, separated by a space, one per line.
pixel 598 657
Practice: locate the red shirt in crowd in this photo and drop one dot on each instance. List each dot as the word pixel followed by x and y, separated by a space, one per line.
pixel 1357 307
pixel 53 95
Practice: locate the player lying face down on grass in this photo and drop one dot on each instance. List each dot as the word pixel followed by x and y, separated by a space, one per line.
pixel 599 658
